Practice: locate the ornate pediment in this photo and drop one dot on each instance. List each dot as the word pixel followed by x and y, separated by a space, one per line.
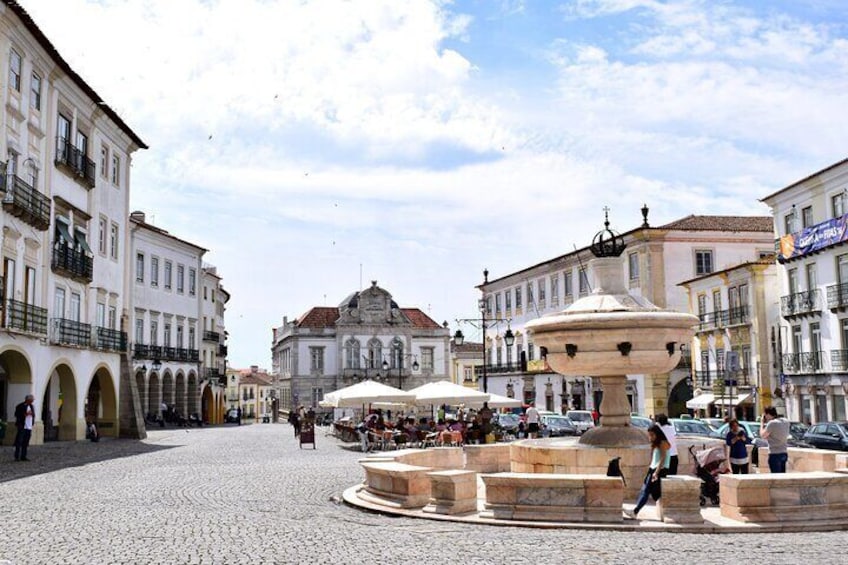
pixel 373 305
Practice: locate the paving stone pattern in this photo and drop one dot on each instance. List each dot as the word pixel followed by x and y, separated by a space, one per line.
pixel 250 495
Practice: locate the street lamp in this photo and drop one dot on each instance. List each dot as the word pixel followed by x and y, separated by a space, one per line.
pixel 484 323
pixel 401 357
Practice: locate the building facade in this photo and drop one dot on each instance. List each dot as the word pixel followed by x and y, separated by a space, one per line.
pixel 655 260
pixel 367 336
pixel 811 337
pixel 65 182
pixel 170 320
pixel 733 368
pixel 466 359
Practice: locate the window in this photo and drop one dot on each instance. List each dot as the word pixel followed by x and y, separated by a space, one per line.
pixel 554 289
pixel 104 161
pixel 498 304
pixel 518 298
pixel 792 279
pixel 716 301
pixel 101 315
pixel 317 396
pixel 116 170
pixel 35 92
pixel 540 286
pixel 467 374
pixel 316 360
pixel 192 281
pixel 139 267
pixel 530 300
pixel 427 358
pixel 154 332
pixel 29 285
pixel 796 339
pixel 154 271
pixel 584 281
pixel 530 351
pixel 15 70
pixel 180 278
pixel 812 277
pixel 375 353
pixel 488 305
pixel 633 266
pixel 806 216
pixel 179 336
pixel 139 330
pixel 213 296
pixel 352 354
pixel 568 285
pixel 837 204
pixel 166 338
pixel 82 143
pixel 191 337
pixel 508 300
pixel 63 128
pixel 702 305
pixel 168 266
pixel 113 318
pixel 703 262
pixel 113 241
pixel 59 303
pixel 205 293
pixel 101 235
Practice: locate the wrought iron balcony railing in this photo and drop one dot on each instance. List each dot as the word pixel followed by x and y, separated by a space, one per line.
pixel 837 296
pixel 71 332
pixel 213 374
pixel 26 317
pixel 72 263
pixel 75 162
pixel 222 350
pixel 800 303
pixel 705 379
pixel 807 362
pixel 111 340
pixel 723 318
pixel 839 360
pixel 211 336
pixel 496 369
pixel 25 202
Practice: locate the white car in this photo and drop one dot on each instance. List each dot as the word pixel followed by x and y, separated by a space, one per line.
pixel 582 420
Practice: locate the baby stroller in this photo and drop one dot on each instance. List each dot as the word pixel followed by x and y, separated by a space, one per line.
pixel 709 463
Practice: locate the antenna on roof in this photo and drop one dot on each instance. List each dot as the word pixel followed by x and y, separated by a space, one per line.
pixel 360 276
pixel 583 272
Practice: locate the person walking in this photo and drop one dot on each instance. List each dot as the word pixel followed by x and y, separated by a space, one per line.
pixel 660 461
pixel 737 452
pixel 532 416
pixel 485 415
pixel 671 437
pixel 24 421
pixel 775 430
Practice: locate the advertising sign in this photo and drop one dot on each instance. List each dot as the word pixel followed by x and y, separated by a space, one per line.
pixel 813 238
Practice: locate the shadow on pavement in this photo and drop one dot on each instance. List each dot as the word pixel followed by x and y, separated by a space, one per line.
pixel 55 456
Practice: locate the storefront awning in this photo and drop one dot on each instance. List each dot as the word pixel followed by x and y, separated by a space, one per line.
pixel 701 402
pixel 734 400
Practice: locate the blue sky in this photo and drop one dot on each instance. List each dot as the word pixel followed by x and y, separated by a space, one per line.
pixel 426 140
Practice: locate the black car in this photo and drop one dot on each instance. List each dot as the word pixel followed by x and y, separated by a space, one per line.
pixel 828 435
pixel 507 422
pixel 557 426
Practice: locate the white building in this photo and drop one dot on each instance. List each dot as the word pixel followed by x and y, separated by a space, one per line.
pixel 63 239
pixel 170 319
pixel 655 261
pixel 810 221
pixel 733 366
pixel 367 336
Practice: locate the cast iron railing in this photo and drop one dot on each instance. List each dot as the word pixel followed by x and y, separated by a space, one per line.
pixel 71 332
pixel 72 263
pixel 109 339
pixel 26 317
pixel 25 202
pixel 800 303
pixel 75 162
pixel 211 336
pixel 837 296
pixel 807 362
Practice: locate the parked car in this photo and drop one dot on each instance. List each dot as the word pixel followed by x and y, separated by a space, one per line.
pixel 751 428
pixel 557 426
pixel 508 422
pixel 582 419
pixel 798 429
pixel 714 423
pixel 640 422
pixel 232 416
pixel 690 427
pixel 828 435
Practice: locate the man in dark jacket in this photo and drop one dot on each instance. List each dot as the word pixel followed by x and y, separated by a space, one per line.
pixel 24 421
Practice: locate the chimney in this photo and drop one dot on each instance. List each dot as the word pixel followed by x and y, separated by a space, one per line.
pixel 138 216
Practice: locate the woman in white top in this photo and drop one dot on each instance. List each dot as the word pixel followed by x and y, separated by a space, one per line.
pixel 671 437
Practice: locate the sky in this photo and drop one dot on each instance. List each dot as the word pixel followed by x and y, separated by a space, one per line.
pixel 316 145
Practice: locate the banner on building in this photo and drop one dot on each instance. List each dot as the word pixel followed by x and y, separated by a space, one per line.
pixel 813 238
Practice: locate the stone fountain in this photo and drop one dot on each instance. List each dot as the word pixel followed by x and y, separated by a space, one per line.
pixel 607 334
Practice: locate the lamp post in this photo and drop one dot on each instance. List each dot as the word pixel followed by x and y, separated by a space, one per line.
pixel 400 358
pixel 484 323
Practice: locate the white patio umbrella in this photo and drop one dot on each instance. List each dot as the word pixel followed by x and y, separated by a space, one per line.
pixel 446 392
pixel 498 401
pixel 366 392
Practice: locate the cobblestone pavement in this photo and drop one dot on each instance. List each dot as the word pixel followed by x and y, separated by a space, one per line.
pixel 250 495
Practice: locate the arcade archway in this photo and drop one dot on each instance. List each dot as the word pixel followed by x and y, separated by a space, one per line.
pixel 680 393
pixel 180 395
pixel 208 405
pixel 101 405
pixel 154 395
pixel 15 383
pixel 192 393
pixel 59 406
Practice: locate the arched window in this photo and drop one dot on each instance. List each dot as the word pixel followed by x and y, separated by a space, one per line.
pixel 397 353
pixel 352 353
pixel 375 353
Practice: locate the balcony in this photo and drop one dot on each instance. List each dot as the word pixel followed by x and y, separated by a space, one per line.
pixel 110 340
pixel 213 374
pixel 837 297
pixel 26 317
pixel 706 379
pixel 497 369
pixel 839 360
pixel 72 263
pixel 70 332
pixel 222 350
pixel 25 202
pixel 800 303
pixel 723 318
pixel 74 162
pixel 804 363
pixel 211 336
